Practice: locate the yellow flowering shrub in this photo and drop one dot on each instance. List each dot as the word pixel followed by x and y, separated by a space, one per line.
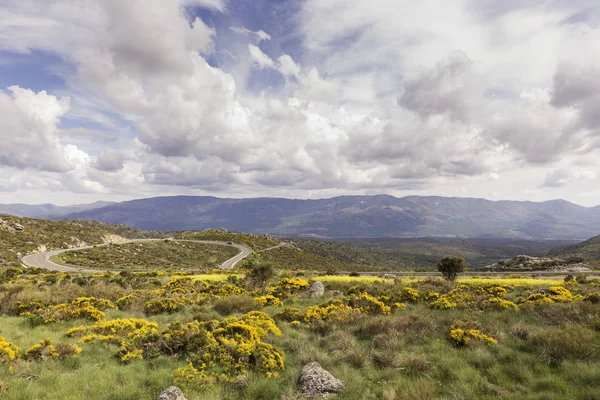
pixel 101 304
pixel 336 311
pixel 442 303
pixel 410 295
pixel 462 337
pixel 368 304
pixel 290 314
pixel 554 294
pixel 63 312
pixel 167 305
pixel 45 350
pixel 500 304
pixel 8 351
pixel 289 286
pixel 269 300
pixel 217 350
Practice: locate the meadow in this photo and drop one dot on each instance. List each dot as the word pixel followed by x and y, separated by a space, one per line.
pixel 247 335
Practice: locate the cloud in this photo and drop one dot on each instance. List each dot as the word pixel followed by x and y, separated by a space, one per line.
pixel 28 134
pixel 259 35
pixel 452 88
pixel 260 58
pixel 109 160
pixel 391 97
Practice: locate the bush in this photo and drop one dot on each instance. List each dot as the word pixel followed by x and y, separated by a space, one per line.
pixel 451 266
pixel 241 303
pixel 45 350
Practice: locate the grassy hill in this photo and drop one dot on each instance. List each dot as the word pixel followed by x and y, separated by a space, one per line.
pixel 589 250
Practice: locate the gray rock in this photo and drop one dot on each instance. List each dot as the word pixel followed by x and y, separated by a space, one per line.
pixel 172 393
pixel 18 227
pixel 317 289
pixel 315 381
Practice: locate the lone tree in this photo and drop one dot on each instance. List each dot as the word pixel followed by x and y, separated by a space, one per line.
pixel 451 266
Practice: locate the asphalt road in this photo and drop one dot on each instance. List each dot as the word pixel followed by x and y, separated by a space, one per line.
pixel 42 260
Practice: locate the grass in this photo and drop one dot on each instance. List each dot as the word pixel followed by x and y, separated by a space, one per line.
pixel 172 255
pixel 545 351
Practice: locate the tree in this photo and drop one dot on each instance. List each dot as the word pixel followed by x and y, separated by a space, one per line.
pixel 451 266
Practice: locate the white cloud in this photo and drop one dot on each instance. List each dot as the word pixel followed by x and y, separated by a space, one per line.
pixel 392 96
pixel 260 58
pixel 28 132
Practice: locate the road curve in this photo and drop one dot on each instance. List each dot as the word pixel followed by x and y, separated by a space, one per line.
pixel 42 260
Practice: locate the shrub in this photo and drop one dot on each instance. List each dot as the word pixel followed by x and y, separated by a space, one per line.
pixel 241 303
pixel 8 351
pixel 451 266
pixel 45 350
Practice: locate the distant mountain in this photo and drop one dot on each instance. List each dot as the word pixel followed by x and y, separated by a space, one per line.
pixel 357 216
pixel 48 210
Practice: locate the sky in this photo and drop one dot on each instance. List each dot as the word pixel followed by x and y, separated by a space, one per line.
pixel 115 100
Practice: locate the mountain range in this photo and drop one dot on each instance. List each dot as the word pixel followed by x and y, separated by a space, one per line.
pixel 344 216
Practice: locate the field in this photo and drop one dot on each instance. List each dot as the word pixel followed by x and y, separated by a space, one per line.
pixel 230 336
pixel 160 255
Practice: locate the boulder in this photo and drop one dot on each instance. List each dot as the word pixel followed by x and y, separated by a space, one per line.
pixel 172 393
pixel 316 381
pixel 317 289
pixel 18 227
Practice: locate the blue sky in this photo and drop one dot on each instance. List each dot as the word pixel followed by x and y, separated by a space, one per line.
pixel 114 100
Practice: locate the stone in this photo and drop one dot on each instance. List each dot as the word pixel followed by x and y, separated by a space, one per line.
pixel 317 289
pixel 18 227
pixel 316 381
pixel 172 393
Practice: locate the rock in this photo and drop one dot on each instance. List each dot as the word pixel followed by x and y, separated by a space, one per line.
pixel 172 393
pixel 18 227
pixel 315 381
pixel 317 289
pixel 528 263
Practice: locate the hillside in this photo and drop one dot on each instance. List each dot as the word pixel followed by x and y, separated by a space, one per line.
pixel 25 235
pixel 589 250
pixel 398 253
pixel 358 216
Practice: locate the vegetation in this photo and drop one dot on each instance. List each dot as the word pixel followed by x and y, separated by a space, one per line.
pixel 289 257
pixel 67 335
pixel 451 266
pixel 163 255
pixel 588 250
pixel 255 242
pixel 411 253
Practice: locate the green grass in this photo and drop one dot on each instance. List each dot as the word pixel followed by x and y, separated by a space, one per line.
pixel 405 355
pixel 171 255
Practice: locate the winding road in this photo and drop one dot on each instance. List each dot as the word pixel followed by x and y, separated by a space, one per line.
pixel 42 260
